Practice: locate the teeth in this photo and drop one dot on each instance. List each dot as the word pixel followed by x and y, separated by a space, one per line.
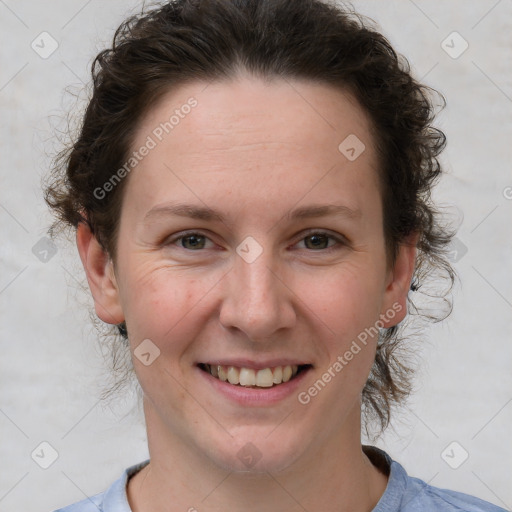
pixel 265 378
pixel 278 375
pixel 247 377
pixel 223 376
pixel 233 375
pixel 287 373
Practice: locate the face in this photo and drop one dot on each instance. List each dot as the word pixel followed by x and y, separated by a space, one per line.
pixel 260 279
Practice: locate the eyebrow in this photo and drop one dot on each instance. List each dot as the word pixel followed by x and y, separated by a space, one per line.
pixel 208 214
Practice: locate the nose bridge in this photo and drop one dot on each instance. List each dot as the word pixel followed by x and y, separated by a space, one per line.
pixel 256 302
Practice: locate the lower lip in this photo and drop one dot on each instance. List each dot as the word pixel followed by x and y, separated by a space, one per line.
pixel 255 396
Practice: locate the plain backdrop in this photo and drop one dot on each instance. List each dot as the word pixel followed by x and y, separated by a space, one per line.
pixel 52 372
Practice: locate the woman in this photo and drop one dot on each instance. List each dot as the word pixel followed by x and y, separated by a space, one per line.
pixel 251 196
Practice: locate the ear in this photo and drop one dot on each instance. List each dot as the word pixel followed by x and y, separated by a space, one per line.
pixel 399 282
pixel 100 275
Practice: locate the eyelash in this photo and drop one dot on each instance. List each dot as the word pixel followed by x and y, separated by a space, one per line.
pixel 340 241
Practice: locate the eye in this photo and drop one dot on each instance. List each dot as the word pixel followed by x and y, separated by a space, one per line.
pixel 319 239
pixel 190 241
pixel 195 241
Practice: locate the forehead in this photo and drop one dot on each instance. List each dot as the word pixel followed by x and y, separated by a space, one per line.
pixel 248 108
pixel 275 141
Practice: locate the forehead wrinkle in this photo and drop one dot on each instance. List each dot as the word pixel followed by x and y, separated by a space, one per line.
pixel 208 214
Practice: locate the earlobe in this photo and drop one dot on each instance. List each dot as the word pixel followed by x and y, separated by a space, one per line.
pixel 399 282
pixel 100 276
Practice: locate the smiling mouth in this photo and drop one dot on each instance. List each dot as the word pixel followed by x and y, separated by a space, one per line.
pixel 250 378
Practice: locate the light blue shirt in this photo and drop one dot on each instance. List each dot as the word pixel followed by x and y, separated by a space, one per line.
pixel 403 494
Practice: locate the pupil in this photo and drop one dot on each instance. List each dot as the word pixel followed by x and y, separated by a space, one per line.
pixel 319 239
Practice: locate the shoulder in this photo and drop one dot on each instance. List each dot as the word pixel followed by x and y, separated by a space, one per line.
pixel 114 499
pixel 419 495
pixel 93 504
pixel 408 494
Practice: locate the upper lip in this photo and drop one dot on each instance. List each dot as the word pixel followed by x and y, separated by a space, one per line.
pixel 256 365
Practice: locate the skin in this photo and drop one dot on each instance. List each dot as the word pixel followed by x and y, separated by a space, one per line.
pixel 253 151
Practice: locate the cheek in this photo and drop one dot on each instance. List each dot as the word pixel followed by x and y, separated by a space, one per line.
pixel 164 305
pixel 346 300
pixel 347 305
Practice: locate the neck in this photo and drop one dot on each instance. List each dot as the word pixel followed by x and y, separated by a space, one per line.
pixel 333 475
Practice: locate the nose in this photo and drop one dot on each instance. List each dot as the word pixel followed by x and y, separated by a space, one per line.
pixel 257 299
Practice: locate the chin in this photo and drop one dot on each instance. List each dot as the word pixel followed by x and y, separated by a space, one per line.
pixel 257 453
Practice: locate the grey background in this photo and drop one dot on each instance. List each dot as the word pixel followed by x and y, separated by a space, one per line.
pixel 52 371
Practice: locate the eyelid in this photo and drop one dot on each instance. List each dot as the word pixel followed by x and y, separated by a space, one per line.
pixel 326 232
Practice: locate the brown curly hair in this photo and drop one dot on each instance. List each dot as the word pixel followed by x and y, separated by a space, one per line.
pixel 204 40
